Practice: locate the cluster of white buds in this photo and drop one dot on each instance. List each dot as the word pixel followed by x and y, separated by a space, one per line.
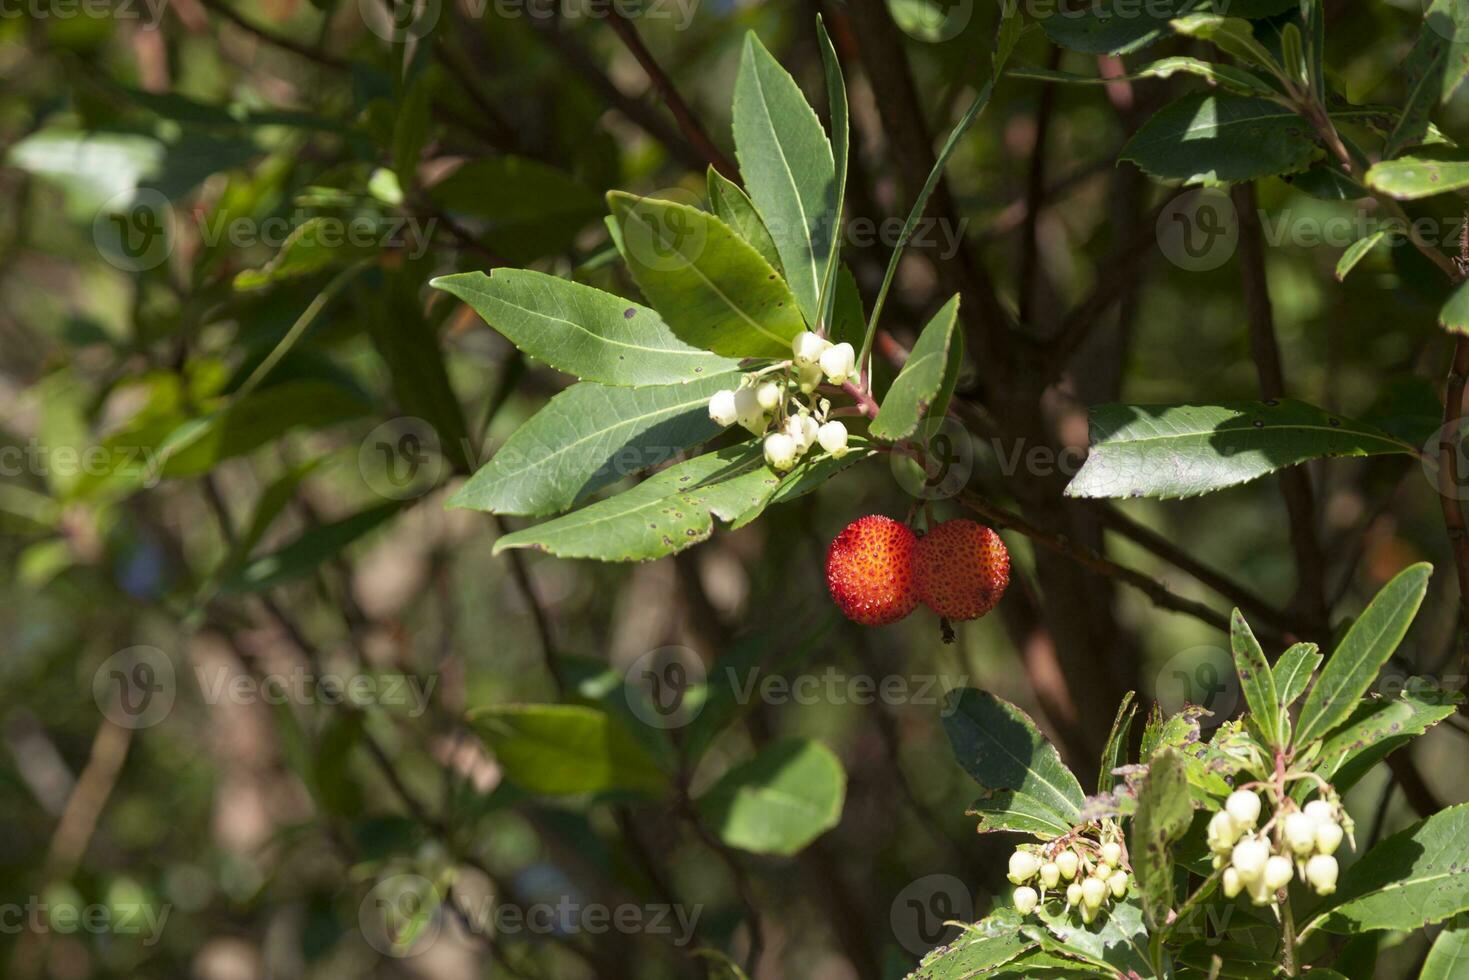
pixel 1294 842
pixel 768 402
pixel 1089 875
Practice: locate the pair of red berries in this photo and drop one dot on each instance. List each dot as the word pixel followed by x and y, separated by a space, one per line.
pixel 878 570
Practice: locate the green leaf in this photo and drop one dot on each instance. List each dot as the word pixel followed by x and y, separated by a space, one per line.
pixel 1222 138
pixel 779 801
pixel 1372 639
pixel 313 246
pixel 1000 747
pixel 670 511
pixel 1188 450
pixel 1232 35
pixel 245 424
pixel 1256 680
pixel 788 167
pixel 921 204
pixel 712 288
pixel 1293 672
pixel 916 386
pixel 1448 959
pixel 1411 880
pixel 984 946
pixel 409 347
pixel 567 750
pixel 1415 177
pixel 99 167
pixel 1098 29
pixel 1164 811
pixel 1228 77
pixel 1434 70
pixel 841 138
pixel 1356 252
pixel 585 332
pixel 587 437
pixel 1117 939
pixel 1454 317
pixel 306 553
pixel 1114 755
pixel 521 209
pixel 733 206
pixel 1375 728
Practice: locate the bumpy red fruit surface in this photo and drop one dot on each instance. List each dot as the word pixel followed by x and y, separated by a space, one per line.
pixel 869 570
pixel 962 569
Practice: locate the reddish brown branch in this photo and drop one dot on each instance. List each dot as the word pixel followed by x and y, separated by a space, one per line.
pixel 1295 482
pixel 688 123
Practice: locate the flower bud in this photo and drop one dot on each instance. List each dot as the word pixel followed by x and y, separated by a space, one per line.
pixel 1093 892
pixel 838 362
pixel 1260 893
pixel 1249 857
pixel 1073 894
pixel 1068 862
pixel 807 348
pixel 1025 899
pixel 1328 837
pixel 768 395
pixel 1244 807
pixel 1023 866
pixel 1233 885
pixel 833 438
pixel 1223 832
pixel 1050 874
pixel 1320 811
pixel 1278 872
pixel 748 410
pixel 1118 883
pixel 1112 853
pixel 1321 873
pixel 801 428
pixel 1300 833
pixel 722 408
pixel 780 451
pixel 1103 871
pixel 808 377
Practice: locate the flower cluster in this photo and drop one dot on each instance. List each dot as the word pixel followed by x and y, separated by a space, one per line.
pixel 1094 872
pixel 1295 841
pixel 768 402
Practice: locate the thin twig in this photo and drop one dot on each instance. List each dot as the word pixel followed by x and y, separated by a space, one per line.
pixel 688 123
pixel 1155 590
pixel 1150 540
pixel 1295 481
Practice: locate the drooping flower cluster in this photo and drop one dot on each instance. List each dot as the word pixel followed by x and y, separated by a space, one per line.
pixel 1094 873
pixel 769 402
pixel 1295 841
